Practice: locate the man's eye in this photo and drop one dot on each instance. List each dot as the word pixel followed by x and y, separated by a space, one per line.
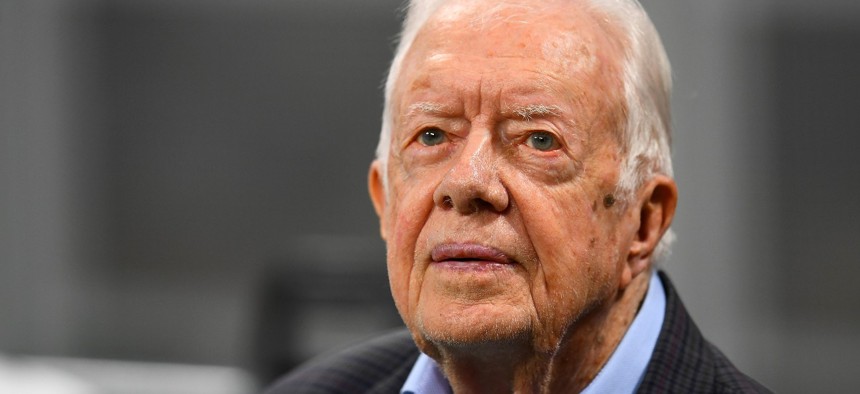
pixel 432 136
pixel 542 141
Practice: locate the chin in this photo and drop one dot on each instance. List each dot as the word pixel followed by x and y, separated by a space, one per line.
pixel 458 326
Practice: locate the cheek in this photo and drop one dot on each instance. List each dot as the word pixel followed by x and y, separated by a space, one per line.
pixel 575 268
pixel 565 247
pixel 411 205
pixel 559 221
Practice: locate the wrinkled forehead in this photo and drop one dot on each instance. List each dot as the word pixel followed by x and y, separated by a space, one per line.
pixel 568 36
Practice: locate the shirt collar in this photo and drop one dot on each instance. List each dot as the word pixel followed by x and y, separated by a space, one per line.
pixel 622 373
pixel 626 367
pixel 426 378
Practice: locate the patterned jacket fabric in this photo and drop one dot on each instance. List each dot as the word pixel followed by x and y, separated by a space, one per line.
pixel 683 362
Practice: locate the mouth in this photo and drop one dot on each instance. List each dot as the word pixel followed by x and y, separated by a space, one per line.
pixel 469 254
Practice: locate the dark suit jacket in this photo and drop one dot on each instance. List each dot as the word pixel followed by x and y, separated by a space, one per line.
pixel 683 362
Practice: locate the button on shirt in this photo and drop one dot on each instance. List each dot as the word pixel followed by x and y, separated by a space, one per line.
pixel 622 373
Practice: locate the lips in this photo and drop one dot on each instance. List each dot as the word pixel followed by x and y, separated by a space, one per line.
pixel 469 253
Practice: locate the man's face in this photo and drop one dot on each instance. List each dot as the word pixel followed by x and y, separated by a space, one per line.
pixel 498 218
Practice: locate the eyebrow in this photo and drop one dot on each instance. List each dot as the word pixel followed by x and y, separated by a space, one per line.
pixel 527 112
pixel 427 107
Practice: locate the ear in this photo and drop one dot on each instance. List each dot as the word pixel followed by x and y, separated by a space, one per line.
pixel 377 193
pixel 655 207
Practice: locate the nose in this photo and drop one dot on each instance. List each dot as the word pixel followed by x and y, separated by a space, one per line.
pixel 473 184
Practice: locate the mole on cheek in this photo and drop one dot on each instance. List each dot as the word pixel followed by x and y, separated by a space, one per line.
pixel 608 201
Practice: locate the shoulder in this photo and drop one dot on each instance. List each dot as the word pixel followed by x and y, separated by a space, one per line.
pixel 728 378
pixel 684 362
pixel 379 365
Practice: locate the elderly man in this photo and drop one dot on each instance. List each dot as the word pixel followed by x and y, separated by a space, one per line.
pixel 523 185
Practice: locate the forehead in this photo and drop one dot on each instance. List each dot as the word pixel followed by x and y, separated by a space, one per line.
pixel 535 28
pixel 561 39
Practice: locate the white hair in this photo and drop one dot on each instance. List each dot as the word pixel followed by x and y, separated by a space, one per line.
pixel 645 137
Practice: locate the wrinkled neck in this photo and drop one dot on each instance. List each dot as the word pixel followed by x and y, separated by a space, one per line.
pixel 496 368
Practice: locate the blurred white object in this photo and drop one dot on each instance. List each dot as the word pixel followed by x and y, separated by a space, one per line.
pixel 55 375
pixel 24 376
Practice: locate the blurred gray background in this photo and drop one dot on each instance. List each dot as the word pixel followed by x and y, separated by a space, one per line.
pixel 183 181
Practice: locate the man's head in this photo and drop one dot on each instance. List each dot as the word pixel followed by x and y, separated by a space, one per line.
pixel 523 175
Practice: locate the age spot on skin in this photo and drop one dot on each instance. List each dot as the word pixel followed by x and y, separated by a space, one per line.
pixel 608 201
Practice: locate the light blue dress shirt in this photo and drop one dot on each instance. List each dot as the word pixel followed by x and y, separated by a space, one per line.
pixel 621 374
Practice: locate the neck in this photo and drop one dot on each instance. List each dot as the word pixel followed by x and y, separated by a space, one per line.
pixel 516 368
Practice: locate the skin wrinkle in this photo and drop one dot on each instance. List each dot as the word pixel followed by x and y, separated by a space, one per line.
pixel 543 278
